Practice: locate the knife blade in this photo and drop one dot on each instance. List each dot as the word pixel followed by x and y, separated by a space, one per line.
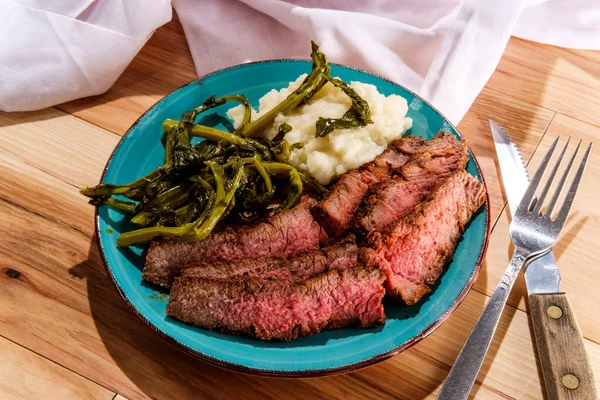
pixel 565 365
pixel 541 274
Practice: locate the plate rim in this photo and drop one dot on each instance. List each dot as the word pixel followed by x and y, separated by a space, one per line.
pixel 298 373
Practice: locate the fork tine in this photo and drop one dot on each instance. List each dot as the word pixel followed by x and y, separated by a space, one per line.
pixel 537 177
pixel 538 206
pixel 554 199
pixel 566 207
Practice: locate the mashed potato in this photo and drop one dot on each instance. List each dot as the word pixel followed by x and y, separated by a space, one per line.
pixel 341 150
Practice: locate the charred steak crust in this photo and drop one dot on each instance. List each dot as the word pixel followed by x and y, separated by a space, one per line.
pixel 336 210
pixel 412 251
pixel 294 269
pixel 396 197
pixel 278 309
pixel 389 201
pixel 286 234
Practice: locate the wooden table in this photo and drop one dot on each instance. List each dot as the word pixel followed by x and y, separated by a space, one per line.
pixel 66 334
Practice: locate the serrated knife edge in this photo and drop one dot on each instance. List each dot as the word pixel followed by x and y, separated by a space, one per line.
pixel 541 274
pixel 512 166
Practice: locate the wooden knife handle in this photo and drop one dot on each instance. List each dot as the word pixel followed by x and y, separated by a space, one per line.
pixel 565 364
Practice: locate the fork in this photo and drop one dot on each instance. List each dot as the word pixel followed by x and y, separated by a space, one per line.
pixel 533 231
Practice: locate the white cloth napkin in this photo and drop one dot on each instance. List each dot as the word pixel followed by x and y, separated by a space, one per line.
pixel 445 50
pixel 55 51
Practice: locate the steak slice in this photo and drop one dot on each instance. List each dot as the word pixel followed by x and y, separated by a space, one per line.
pixel 278 309
pixel 395 198
pixel 336 210
pixel 286 234
pixel 299 268
pixel 412 251
pixel 437 146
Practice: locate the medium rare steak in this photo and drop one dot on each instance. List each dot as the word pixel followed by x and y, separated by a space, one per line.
pixel 286 234
pixel 278 309
pixel 394 198
pixel 412 251
pixel 339 256
pixel 336 210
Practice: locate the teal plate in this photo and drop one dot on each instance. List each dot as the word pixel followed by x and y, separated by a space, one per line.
pixel 141 150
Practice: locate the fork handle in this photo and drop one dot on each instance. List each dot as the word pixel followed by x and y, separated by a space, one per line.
pixel 565 364
pixel 466 367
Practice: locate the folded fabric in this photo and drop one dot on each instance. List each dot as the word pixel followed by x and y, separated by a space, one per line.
pixel 55 51
pixel 567 23
pixel 444 50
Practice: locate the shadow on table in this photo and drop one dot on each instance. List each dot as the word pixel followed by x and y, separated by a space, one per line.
pixel 161 371
pixel 23 117
pixel 477 131
pixel 158 370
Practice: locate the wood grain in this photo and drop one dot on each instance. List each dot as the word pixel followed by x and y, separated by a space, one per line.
pixel 25 375
pixel 163 65
pixel 578 240
pixel 525 122
pixel 565 364
pixel 69 149
pixel 62 287
pixel 61 305
pixel 88 328
pixel 566 81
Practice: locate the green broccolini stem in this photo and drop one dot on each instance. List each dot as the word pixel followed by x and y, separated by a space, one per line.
pixel 281 168
pixel 181 210
pixel 126 206
pixel 169 199
pixel 190 116
pixel 283 150
pixel 295 183
pixel 320 189
pixel 217 135
pixel 104 190
pixel 278 168
pixel 260 168
pixel 142 218
pixel 219 180
pixel 311 85
pixel 206 132
pixel 281 131
pixel 147 234
pixel 192 230
pixel 169 145
pixel 247 109
pixel 108 189
pixel 223 198
pixel 199 185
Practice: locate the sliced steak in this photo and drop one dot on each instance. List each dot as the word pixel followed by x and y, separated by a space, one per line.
pixel 335 211
pixel 278 309
pixel 338 256
pixel 394 198
pixel 412 251
pixel 438 146
pixel 286 234
pixel 397 199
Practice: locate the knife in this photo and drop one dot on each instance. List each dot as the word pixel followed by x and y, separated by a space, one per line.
pixel 566 368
